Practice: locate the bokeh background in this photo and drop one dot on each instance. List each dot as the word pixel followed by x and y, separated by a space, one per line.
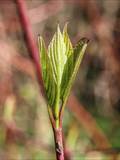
pixel 92 116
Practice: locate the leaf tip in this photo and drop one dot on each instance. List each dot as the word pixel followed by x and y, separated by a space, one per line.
pixel 65 27
pixel 58 28
pixel 39 38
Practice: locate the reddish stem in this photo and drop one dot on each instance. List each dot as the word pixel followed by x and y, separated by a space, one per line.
pixel 30 39
pixel 58 136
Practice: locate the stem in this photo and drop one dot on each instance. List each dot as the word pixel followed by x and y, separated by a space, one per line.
pixel 25 22
pixel 58 137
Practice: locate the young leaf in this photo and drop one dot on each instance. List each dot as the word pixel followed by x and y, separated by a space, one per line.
pixel 69 64
pixel 56 53
pixel 57 56
pixel 69 48
pixel 59 67
pixel 47 73
pixel 75 59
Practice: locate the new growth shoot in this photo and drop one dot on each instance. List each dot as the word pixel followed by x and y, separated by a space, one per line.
pixel 60 63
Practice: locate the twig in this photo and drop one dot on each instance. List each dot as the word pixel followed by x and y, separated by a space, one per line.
pixel 30 39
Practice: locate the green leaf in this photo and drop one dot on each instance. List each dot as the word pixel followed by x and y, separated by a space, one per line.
pixel 69 48
pixel 59 68
pixel 58 58
pixel 68 68
pixel 73 64
pixel 47 73
pixel 56 52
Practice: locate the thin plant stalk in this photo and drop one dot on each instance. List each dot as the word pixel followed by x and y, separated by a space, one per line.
pixel 58 135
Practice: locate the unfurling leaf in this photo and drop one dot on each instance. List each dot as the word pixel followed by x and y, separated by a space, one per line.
pixel 47 73
pixel 60 63
pixel 72 66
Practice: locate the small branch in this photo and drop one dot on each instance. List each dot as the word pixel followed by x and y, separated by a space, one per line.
pixel 59 143
pixel 30 39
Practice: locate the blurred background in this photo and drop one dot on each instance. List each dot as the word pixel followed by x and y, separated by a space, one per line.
pixel 92 116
